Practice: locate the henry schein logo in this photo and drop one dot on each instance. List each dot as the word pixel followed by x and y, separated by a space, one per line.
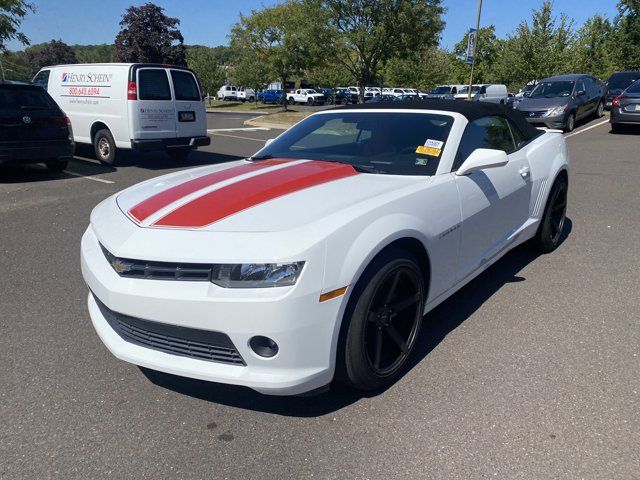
pixel 65 77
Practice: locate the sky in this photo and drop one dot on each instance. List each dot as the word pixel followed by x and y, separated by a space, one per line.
pixel 208 22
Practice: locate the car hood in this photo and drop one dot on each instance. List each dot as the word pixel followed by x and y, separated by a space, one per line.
pixel 273 195
pixel 529 104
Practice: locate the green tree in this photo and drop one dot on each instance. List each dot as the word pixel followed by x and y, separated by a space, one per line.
pixel 537 50
pixel 203 61
pixel 363 35
pixel 275 37
pixel 423 70
pixel 249 73
pixel 102 53
pixel 592 52
pixel 627 26
pixel 148 35
pixel 330 74
pixel 488 50
pixel 55 52
pixel 11 14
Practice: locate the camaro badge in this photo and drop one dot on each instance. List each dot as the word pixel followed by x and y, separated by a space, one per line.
pixel 120 267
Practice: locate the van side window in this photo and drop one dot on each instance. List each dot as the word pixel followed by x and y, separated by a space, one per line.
pixel 153 84
pixel 185 86
pixel 483 89
pixel 485 132
pixel 42 79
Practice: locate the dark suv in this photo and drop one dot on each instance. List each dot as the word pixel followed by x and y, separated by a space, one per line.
pixel 33 128
pixel 558 102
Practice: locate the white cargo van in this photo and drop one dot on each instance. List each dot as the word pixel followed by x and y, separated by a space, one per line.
pixel 129 106
pixel 485 92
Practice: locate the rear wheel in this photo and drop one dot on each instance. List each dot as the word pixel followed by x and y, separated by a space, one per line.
pixel 178 154
pixel 104 146
pixel 382 322
pixel 291 101
pixel 549 232
pixel 56 165
pixel 600 109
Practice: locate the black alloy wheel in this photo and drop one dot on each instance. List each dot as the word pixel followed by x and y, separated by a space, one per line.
pixel 382 321
pixel 549 232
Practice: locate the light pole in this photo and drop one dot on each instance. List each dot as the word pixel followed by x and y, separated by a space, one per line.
pixel 475 48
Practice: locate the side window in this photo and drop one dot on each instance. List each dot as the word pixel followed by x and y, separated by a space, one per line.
pixel 153 84
pixel 483 89
pixel 454 90
pixel 485 132
pixel 42 79
pixel 580 86
pixel 518 138
pixel 185 86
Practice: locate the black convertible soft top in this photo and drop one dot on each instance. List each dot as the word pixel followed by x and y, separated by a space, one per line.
pixel 471 110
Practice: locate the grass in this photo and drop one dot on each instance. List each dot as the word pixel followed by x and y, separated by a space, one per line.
pixel 239 106
pixel 283 119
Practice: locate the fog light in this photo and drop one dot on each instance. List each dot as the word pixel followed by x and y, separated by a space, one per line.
pixel 263 346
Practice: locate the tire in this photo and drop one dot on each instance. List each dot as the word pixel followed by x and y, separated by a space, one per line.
pixel 571 123
pixel 373 354
pixel 178 154
pixel 549 232
pixel 311 101
pixel 291 101
pixel 105 147
pixel 345 101
pixel 251 99
pixel 600 109
pixel 262 101
pixel 56 165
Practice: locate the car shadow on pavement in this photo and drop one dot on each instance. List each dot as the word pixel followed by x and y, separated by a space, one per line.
pixel 436 326
pixel 37 172
pixel 627 130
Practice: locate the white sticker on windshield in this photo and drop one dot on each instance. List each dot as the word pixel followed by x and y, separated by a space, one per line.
pixel 434 144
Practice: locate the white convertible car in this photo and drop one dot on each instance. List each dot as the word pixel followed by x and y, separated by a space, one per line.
pixel 318 257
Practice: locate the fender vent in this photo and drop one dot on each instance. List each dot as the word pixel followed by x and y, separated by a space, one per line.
pixel 541 192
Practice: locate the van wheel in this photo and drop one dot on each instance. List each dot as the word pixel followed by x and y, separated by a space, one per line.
pixel 105 147
pixel 56 165
pixel 178 154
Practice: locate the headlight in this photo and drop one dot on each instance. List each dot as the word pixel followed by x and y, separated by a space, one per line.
pixel 256 275
pixel 554 112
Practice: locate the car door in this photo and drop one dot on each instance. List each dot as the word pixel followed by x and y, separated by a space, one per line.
pixel 189 108
pixel 153 115
pixel 581 100
pixel 495 201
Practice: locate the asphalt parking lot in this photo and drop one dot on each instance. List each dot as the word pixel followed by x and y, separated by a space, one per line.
pixel 530 372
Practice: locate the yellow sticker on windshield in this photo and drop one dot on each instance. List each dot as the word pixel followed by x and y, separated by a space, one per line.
pixel 432 151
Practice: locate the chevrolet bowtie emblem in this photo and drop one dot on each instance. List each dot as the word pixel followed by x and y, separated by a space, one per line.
pixel 120 267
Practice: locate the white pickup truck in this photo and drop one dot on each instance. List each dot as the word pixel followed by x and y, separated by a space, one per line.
pixel 305 95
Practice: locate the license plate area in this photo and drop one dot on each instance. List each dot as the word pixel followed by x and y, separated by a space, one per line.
pixel 186 116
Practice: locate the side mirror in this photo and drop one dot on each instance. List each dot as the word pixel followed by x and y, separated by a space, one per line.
pixel 482 158
pixel 268 141
pixel 580 93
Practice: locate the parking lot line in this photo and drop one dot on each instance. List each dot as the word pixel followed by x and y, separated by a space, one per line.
pixel 88 177
pixel 238 136
pixel 239 129
pixel 585 129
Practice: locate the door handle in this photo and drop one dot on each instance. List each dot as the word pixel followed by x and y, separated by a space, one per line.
pixel 524 172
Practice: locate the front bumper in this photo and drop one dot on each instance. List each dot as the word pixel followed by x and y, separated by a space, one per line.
pixel 35 151
pixel 556 122
pixel 303 328
pixel 167 143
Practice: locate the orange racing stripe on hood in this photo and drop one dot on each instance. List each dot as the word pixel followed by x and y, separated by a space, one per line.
pixel 247 193
pixel 151 205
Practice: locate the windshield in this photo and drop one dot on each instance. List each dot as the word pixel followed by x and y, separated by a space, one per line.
pixel 474 89
pixel 620 81
pixel 441 90
pixel 552 89
pixel 374 142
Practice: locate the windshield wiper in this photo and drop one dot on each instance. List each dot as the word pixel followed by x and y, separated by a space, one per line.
pixel 261 157
pixel 366 168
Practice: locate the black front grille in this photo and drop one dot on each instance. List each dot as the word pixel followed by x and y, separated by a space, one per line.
pixel 183 341
pixel 125 267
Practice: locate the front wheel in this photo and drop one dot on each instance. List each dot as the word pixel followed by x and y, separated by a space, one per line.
pixel 105 147
pixel 310 101
pixel 382 322
pixel 571 123
pixel 549 232
pixel 291 101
